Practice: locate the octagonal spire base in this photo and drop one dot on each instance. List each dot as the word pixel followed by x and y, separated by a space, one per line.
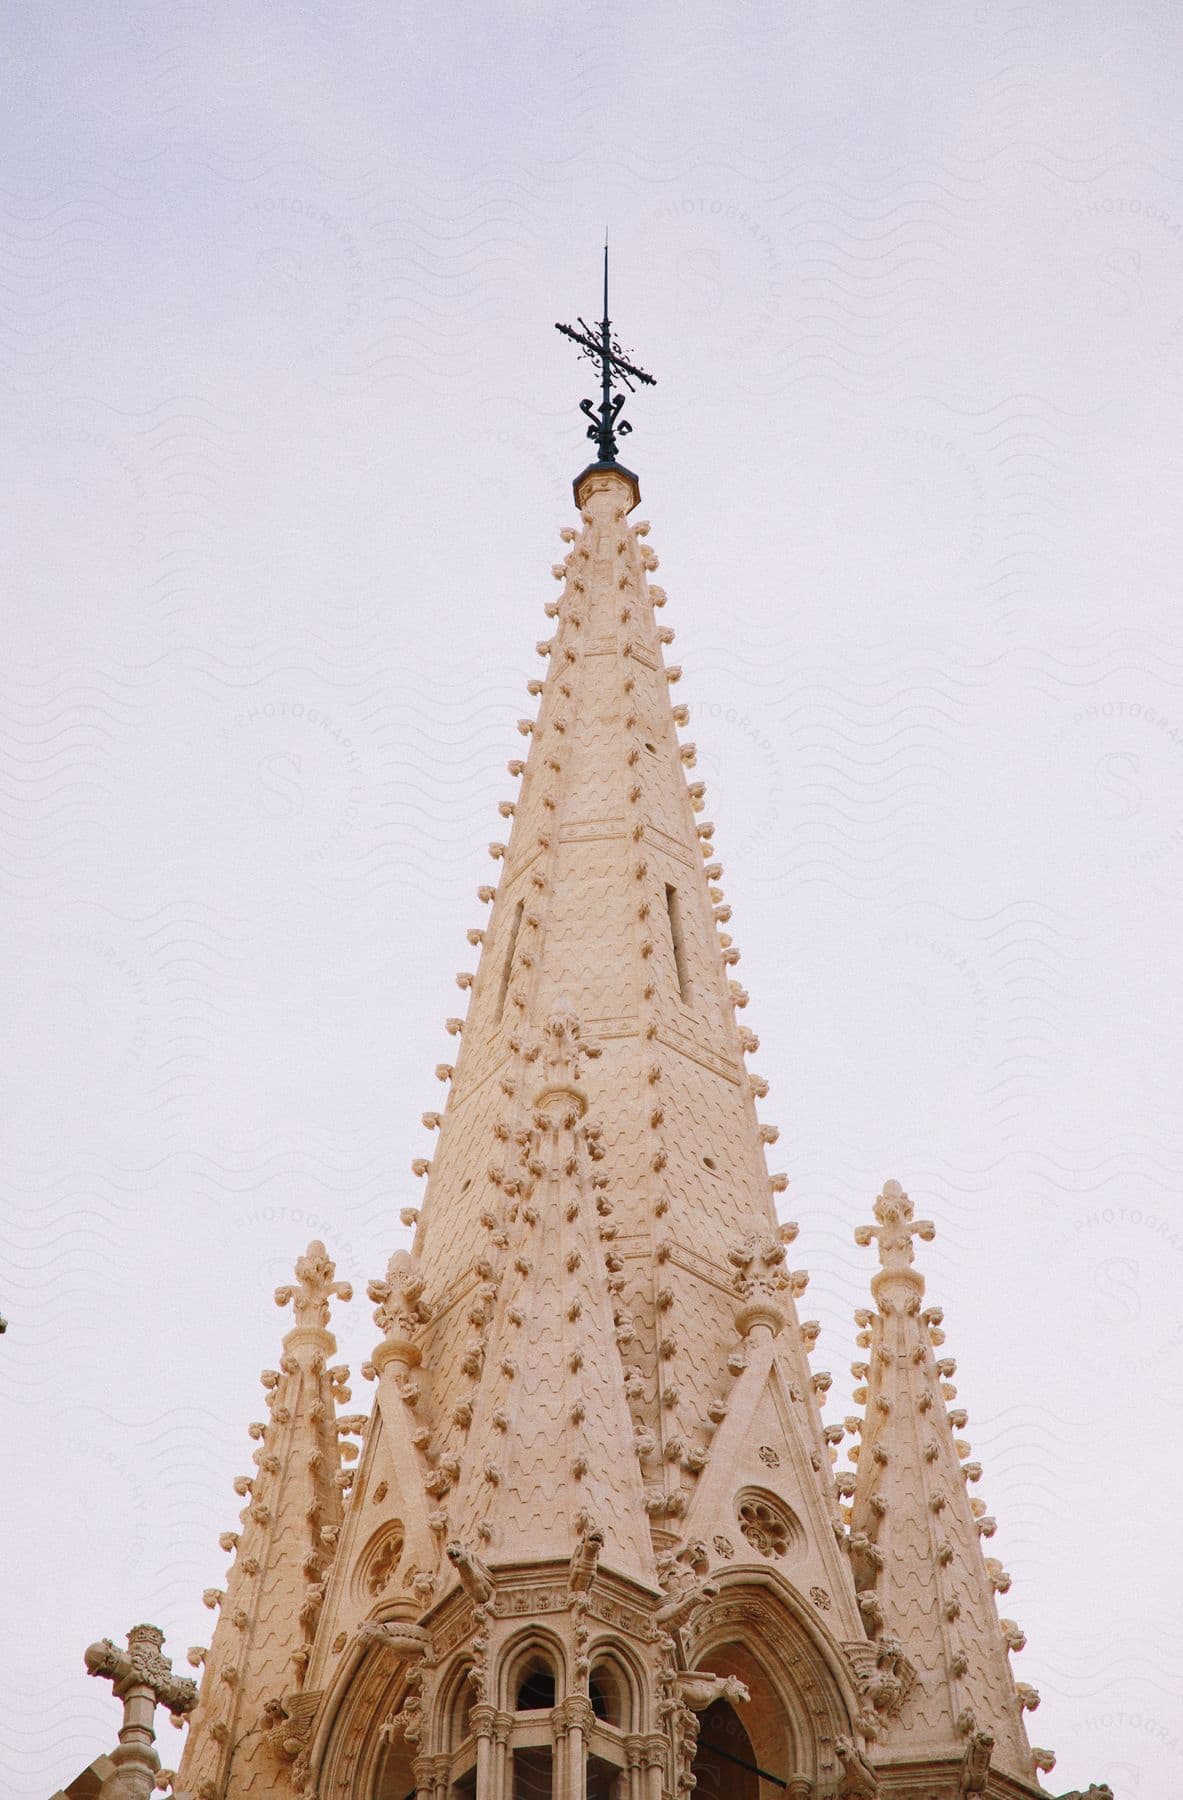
pixel 583 483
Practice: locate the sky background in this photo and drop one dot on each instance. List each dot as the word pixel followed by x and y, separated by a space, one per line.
pixel 288 436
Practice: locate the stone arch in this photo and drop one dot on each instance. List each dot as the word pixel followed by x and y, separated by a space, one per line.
pixel 761 1631
pixel 622 1687
pixel 531 1652
pixel 455 1698
pixel 725 1763
pixel 394 1772
pixel 351 1754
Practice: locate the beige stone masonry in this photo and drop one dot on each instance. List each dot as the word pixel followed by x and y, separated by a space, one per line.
pixel 594 1541
pixel 940 1679
pixel 242 1736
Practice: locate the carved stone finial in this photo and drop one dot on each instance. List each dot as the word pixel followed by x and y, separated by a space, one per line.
pixel 400 1309
pixel 761 1281
pixel 894 1231
pixel 315 1272
pixel 142 1677
pixel 143 1664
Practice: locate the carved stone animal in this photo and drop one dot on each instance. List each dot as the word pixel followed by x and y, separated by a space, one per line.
pixel 474 1577
pixel 700 1690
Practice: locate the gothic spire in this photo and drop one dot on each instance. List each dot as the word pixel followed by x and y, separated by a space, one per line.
pixel 925 1589
pixel 608 909
pixel 249 1710
pixel 598 1211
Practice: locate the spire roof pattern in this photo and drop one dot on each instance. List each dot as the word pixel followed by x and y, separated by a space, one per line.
pixel 607 912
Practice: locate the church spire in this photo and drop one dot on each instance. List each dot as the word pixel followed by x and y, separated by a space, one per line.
pixel 925 1589
pixel 595 1514
pixel 249 1714
pixel 608 912
pixel 600 1375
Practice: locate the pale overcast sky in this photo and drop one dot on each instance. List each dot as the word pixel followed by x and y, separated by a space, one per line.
pixel 288 436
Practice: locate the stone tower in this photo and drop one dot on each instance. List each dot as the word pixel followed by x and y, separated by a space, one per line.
pixel 594 1544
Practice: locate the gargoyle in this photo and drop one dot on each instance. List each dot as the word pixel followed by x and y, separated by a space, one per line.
pixel 406 1640
pixel 701 1689
pixel 858 1780
pixel 474 1577
pixel 975 1765
pixel 279 1736
pixel 675 1613
pixel 584 1559
pixel 698 1557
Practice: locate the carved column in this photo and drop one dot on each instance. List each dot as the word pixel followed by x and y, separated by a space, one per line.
pixel 800 1788
pixel 502 1761
pixel 580 1719
pixel 634 1759
pixel 423 1769
pixel 560 1777
pixel 654 1748
pixel 483 1719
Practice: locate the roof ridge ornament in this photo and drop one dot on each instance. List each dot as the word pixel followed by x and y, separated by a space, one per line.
pixel 598 344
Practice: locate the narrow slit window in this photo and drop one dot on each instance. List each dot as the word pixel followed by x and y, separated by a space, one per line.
pixel 509 954
pixel 677 938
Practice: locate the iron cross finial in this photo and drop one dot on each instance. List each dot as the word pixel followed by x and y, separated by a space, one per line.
pixel 598 343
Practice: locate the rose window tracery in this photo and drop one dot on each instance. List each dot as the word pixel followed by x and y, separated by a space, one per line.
pixel 767 1523
pixel 380 1565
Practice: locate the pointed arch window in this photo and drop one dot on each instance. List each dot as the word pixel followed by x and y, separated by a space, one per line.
pixel 536 1688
